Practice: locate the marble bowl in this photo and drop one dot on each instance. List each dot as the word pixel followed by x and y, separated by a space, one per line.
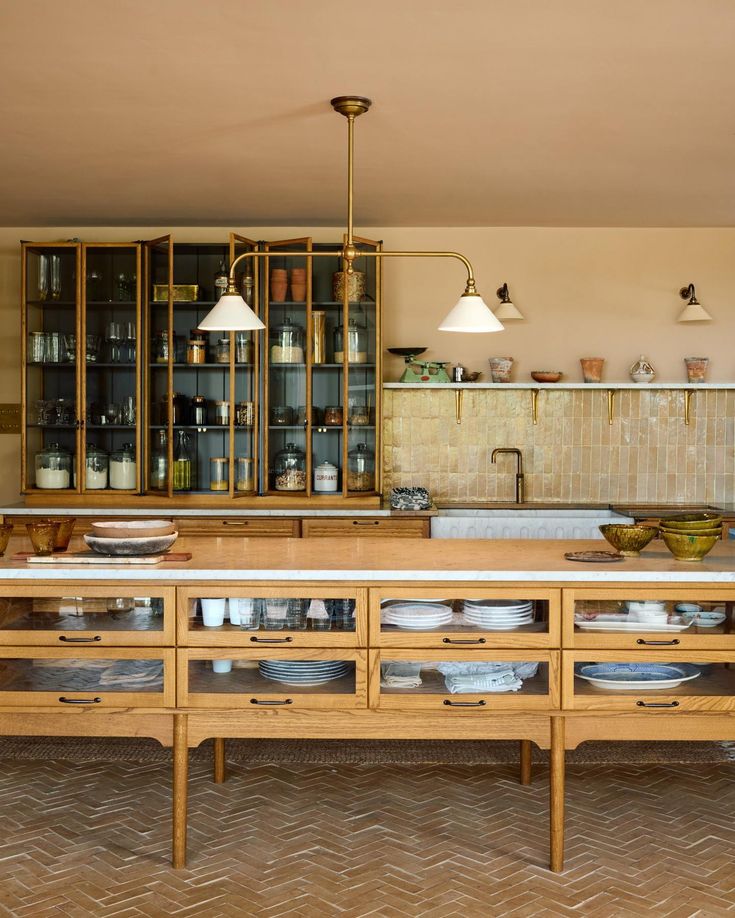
pixel 628 538
pixel 146 545
pixel 688 547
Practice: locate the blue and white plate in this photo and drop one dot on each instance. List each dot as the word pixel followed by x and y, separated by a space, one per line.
pixel 636 676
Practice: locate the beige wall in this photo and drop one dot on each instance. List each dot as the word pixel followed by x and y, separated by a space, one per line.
pixel 584 292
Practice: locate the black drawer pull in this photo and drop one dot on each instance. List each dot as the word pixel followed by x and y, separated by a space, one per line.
pixel 258 701
pixel 657 704
pixel 464 704
pixel 658 643
pixel 464 641
pixel 366 522
pixel 260 640
pixel 79 640
pixel 80 700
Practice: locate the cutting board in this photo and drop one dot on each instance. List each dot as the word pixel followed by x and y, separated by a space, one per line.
pixel 90 557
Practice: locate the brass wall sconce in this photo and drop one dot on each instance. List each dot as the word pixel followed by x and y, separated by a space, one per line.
pixel 507 309
pixel 693 311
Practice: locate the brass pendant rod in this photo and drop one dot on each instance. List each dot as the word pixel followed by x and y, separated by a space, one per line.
pixel 350 173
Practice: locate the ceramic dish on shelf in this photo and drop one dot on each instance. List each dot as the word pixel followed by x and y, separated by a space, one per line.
pixel 707 619
pixel 303 672
pixel 636 676
pixel 677 624
pixel 149 545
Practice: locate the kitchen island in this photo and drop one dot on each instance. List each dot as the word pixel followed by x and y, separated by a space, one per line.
pixel 134 650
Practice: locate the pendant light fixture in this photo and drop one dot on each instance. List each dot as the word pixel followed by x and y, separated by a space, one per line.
pixel 693 311
pixel 470 314
pixel 507 309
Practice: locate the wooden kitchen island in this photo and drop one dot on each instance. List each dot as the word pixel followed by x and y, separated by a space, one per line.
pixel 124 651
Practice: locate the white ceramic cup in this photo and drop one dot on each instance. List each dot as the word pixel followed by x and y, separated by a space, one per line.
pixel 233 607
pixel 213 612
pixel 222 666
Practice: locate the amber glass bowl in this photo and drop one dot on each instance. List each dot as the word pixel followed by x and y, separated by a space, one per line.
pixel 64 534
pixel 6 530
pixel 42 534
pixel 628 538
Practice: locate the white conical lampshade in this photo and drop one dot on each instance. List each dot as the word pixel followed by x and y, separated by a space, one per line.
pixel 507 311
pixel 471 314
pixel 231 313
pixel 694 312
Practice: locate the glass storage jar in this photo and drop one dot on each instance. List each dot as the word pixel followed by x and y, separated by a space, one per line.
pixel 96 468
pixel 281 416
pixel 219 473
pixel 360 469
pixel 333 416
pixel 53 467
pixel 244 480
pixel 198 410
pixel 196 351
pixel 290 469
pixel 222 350
pixel 123 468
pixel 244 348
pixel 222 413
pixel 357 347
pixel 287 343
pixel 159 462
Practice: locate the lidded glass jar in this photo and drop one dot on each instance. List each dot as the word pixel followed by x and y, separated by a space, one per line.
pixel 222 350
pixel 361 468
pixel 53 467
pixel 287 343
pixel 123 468
pixel 96 468
pixel 357 345
pixel 289 469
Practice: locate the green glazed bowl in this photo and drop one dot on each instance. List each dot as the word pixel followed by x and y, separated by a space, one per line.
pixel 687 547
pixel 714 531
pixel 692 521
pixel 628 538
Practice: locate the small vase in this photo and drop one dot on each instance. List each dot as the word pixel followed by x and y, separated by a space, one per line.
pixel 642 371
pixel 279 285
pixel 592 369
pixel 500 368
pixel 696 368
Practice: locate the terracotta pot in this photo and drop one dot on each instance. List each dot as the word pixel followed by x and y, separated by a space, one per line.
pixel 500 368
pixel 592 368
pixel 279 285
pixel 298 289
pixel 696 368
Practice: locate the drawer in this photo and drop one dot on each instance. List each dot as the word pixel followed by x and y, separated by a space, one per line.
pixel 86 677
pixel 413 680
pixel 602 618
pixel 367 526
pixel 239 526
pixel 467 618
pixel 70 616
pixel 257 679
pixel 310 615
pixel 708 681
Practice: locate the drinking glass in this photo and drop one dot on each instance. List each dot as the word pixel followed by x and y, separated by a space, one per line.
pixel 296 615
pixel 69 353
pixel 129 340
pixel 6 530
pixel 42 277
pixel 114 339
pixel 112 413
pixel 45 412
pixel 249 614
pixel 127 411
pixel 64 412
pixel 55 275
pixel 275 614
pixel 43 535
pixel 93 348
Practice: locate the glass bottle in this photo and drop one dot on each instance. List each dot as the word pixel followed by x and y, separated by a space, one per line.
pixel 287 345
pixel 290 469
pixel 159 463
pixel 96 468
pixel 220 280
pixel 123 468
pixel 361 469
pixel 182 462
pixel 357 349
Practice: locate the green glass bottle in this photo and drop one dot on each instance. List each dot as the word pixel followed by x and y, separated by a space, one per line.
pixel 182 462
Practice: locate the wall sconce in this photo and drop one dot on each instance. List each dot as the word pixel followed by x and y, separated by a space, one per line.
pixel 506 310
pixel 693 311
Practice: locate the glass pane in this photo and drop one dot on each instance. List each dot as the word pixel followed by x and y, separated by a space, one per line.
pixel 281 676
pixel 110 349
pixel 51 368
pixel 653 676
pixel 77 613
pixel 401 677
pixel 653 615
pixel 529 616
pixel 246 395
pixel 257 614
pixel 80 675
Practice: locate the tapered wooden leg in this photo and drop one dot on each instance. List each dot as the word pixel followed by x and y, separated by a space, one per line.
pixel 556 795
pixel 180 788
pixel 525 762
pixel 219 761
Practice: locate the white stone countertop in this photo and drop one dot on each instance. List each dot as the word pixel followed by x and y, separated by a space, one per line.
pixel 374 560
pixel 206 512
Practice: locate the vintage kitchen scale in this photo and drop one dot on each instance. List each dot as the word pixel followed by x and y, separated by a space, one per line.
pixel 420 371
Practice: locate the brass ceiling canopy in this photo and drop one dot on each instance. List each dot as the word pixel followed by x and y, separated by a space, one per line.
pixel 351 105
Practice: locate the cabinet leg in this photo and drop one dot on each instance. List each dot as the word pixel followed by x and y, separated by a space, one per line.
pixel 180 788
pixel 219 761
pixel 525 762
pixel 556 795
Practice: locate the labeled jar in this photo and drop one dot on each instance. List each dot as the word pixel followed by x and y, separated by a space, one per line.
pixel 222 351
pixel 325 477
pixel 287 343
pixel 196 351
pixel 219 473
pixel 244 480
pixel 290 469
pixel 244 414
pixel 123 468
pixel 360 469
pixel 96 468
pixel 198 410
pixel 222 413
pixel 333 416
pixel 160 347
pixel 53 467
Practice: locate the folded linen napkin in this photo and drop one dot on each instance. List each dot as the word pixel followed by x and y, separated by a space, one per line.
pixel 501 681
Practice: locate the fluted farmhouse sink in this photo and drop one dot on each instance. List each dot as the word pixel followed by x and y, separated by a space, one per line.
pixel 522 524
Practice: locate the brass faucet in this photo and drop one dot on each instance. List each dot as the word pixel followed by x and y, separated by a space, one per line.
pixel 519 469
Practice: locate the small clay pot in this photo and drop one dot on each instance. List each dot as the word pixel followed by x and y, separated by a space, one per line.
pixel 696 368
pixel 592 368
pixel 279 284
pixel 500 368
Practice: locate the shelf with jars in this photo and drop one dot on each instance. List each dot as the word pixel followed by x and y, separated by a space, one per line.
pixel 123 393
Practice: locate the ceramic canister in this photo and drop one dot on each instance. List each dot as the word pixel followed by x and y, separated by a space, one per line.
pixel 325 477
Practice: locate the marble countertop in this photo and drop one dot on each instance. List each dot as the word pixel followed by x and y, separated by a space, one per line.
pixel 389 560
pixel 21 509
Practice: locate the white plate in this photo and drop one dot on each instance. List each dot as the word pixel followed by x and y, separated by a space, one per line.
pixel 499 621
pixel 630 626
pixel 618 677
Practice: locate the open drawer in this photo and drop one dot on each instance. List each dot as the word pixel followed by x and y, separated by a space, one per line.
pixel 650 619
pixel 469 680
pixel 62 677
pixel 62 615
pixel 309 615
pixel 446 617
pixel 272 678
pixel 664 681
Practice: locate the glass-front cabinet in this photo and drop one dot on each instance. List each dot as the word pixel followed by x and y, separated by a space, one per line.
pixel 124 394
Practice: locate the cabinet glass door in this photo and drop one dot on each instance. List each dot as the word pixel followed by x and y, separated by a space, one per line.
pixel 160 350
pixel 50 354
pixel 111 379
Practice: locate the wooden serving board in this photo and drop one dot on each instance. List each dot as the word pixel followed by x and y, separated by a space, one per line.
pixel 91 557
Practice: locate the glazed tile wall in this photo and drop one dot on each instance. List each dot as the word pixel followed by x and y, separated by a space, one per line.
pixel 573 454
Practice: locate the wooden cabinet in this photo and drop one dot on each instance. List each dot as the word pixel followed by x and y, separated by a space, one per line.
pixel 251 527
pixel 365 526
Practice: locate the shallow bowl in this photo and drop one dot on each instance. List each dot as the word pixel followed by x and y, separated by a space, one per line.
pixel 126 529
pixel 686 547
pixel 694 532
pixel 546 375
pixel 148 545
pixel 628 538
pixel 692 521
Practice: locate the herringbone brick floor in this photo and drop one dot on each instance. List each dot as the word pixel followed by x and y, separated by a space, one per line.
pixel 387 841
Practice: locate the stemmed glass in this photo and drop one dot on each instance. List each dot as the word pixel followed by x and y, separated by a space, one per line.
pixel 42 277
pixel 55 261
pixel 114 339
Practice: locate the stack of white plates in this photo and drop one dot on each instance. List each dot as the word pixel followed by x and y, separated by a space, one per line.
pixel 415 615
pixel 497 614
pixel 304 672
